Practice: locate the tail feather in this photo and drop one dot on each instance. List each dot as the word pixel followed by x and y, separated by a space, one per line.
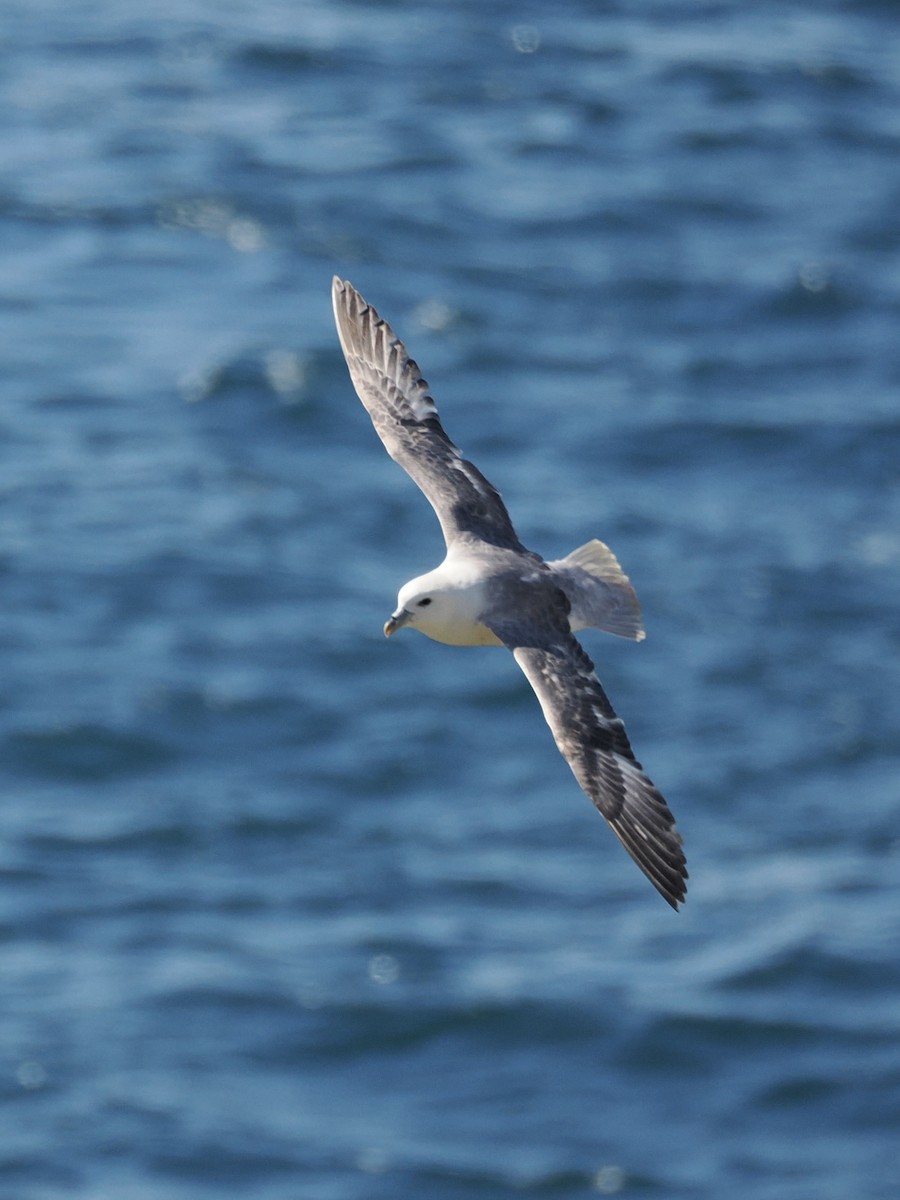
pixel 599 591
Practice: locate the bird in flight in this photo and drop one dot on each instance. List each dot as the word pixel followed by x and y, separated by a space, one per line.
pixel 491 591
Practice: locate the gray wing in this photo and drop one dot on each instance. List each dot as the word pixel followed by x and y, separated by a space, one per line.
pixel 593 741
pixel 396 397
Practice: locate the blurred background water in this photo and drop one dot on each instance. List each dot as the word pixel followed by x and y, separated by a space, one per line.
pixel 288 911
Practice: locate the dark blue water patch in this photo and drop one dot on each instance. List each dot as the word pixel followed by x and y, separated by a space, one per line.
pixel 813 296
pixel 81 753
pixel 388 1031
pixel 289 59
pixel 26 1170
pixel 145 833
pixel 689 1045
pixel 802 1092
pixel 214 1162
pixel 745 85
pixel 818 971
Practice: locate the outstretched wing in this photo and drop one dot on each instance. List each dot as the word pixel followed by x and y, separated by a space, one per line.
pixel 593 741
pixel 396 397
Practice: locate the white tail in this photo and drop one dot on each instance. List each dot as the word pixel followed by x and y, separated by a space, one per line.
pixel 599 591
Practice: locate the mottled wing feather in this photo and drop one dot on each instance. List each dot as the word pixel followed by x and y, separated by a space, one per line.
pixel 395 395
pixel 593 741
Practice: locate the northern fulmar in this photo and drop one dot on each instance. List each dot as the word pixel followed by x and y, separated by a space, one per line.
pixel 491 591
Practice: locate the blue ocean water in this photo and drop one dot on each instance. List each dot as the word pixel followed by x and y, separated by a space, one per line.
pixel 290 911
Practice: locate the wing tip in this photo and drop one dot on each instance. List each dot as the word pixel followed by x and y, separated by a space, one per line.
pixel 342 295
pixel 670 879
pixel 656 848
pixel 675 897
pixel 671 884
pixel 350 313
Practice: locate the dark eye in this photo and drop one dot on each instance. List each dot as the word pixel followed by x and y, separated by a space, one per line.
pixel 423 603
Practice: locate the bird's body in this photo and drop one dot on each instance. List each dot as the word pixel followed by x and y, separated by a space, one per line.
pixel 491 591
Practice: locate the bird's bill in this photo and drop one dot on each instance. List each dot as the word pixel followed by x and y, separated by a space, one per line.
pixel 396 621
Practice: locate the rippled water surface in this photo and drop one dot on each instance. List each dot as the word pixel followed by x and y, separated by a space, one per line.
pixel 289 911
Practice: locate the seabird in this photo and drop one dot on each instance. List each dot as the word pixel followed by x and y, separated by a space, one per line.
pixel 491 591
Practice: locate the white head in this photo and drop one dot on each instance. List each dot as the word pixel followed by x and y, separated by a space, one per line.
pixel 443 608
pixel 419 603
